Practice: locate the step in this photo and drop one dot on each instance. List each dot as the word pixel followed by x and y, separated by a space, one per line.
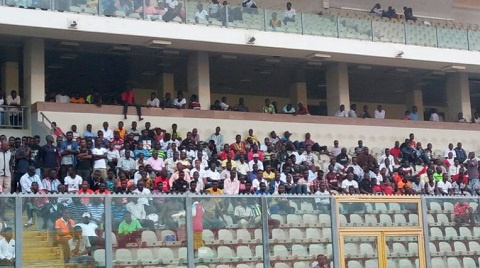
pixel 42 250
pixel 42 257
pixel 36 244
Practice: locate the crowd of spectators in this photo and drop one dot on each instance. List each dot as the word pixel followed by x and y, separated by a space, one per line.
pixel 152 160
pixel 391 13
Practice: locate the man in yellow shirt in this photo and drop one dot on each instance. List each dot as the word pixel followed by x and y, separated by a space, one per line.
pixel 121 130
pixel 268 174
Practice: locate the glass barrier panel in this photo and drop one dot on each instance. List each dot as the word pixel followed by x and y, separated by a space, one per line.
pixel 474 40
pixel 391 32
pixel 299 230
pixel 323 25
pixel 452 38
pixel 359 214
pixel 63 230
pixel 354 28
pixel 228 231
pixel 360 251
pixel 453 229
pixel 246 18
pixel 402 251
pixel 7 229
pixel 149 231
pixel 283 21
pixel 421 35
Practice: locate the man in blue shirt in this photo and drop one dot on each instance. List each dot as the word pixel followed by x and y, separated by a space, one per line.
pixel 89 132
pixel 414 114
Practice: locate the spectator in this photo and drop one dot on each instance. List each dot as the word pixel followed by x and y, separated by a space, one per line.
pixel 128 99
pixel 302 109
pixel 153 101
pixel 180 102
pixel 7 247
pixel 249 6
pixel 353 111
pixel 241 106
pixel 379 112
pixel 463 213
pixel 341 112
pixel 2 102
pixel 288 109
pixel 167 101
pixel 408 13
pixel 201 15
pixel 275 22
pixel 14 100
pixel 6 167
pixel 414 114
pixel 461 119
pixel 268 108
pixel 28 179
pixel 194 103
pixel 172 13
pixel 61 97
pixel 77 99
pixel 434 117
pixel 365 113
pixel 475 118
pixel 289 14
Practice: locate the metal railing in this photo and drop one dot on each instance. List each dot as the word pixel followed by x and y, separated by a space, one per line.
pixel 12 117
pixel 302 220
pixel 359 27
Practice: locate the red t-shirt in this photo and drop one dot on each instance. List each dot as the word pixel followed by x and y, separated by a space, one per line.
pixel 128 97
pixel 396 152
pixel 165 181
pixel 388 190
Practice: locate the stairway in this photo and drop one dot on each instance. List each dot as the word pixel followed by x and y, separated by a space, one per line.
pixel 38 253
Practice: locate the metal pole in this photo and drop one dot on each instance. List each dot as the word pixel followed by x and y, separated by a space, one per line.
pixel 189 230
pixel 335 244
pixel 426 237
pixel 265 233
pixel 18 232
pixel 108 232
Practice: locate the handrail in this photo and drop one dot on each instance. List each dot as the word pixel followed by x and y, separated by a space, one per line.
pixel 50 123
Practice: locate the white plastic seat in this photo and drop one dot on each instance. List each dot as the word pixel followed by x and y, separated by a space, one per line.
pixel 165 254
pixel 225 252
pixel 310 219
pixel 315 249
pixel 244 251
pixel 305 206
pixel 430 219
pixel 343 220
pixel 301 265
pixel 182 253
pixel 394 207
pixel 448 206
pixel 149 237
pixel 400 219
pixel 354 264
pixel 385 219
pixel 278 217
pixel 279 234
pixel 208 235
pixel 454 262
pixel 443 219
pixel 75 9
pixel 294 219
pixel 371 263
pixel 403 263
pixel 465 232
pixel 229 221
pixel 242 266
pixel 413 247
pixel 123 255
pixel 145 256
pixel 293 205
pixel 459 247
pixel 259 251
pixel 167 233
pixel 99 256
pixel 258 234
pixel 206 253
pixel 469 263
pixel 324 219
pixel 280 250
pixel 434 206
pixel 474 246
pixel 398 248
pixel 366 248
pixel 370 219
pixel 327 233
pixel 438 263
pixel 380 207
pixel 225 235
pixel 444 247
pixel 450 232
pixel 299 250
pixel 295 233
pixel 281 265
pixel 243 234
pixel 351 248
pixel 356 219
pixel 312 233
pixel 476 231
pixel 436 232
pixel 432 248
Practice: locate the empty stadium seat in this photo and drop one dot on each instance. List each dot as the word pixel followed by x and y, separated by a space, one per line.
pixel 243 266
pixel 438 263
pixel 308 207
pixel 434 206
pixel 123 256
pixel 450 232
pixel 278 217
pixel 310 219
pixel 385 219
pixel 99 256
pixel 294 219
pixel 327 233
pixel 366 248
pixel 398 248
pixel 315 249
pixel 430 219
pixel 448 206
pixel 432 248
pixel 244 252
pixel 399 219
pixel 182 253
pixel 356 219
pixel 279 234
pixel 299 250
pixel 459 247
pixel 150 238
pixel 350 248
pixel 324 219
pixel 465 232
pixel 296 234
pixel 413 219
pixel 474 246
pixel 206 253
pixel 313 233
pixel 259 251
pixel 225 235
pixel 165 255
pixel 281 265
pixel 403 263
pixel 243 234
pixel 301 265
pixel 208 235
pixel 413 247
pixel 258 234
pixel 443 219
pixel 371 263
pixel 394 207
pixel 370 220
pixel 224 252
pixel 436 232
pixel 145 256
pixel 469 263
pixel 454 262
pixel 280 251
pixel 444 247
pixel 354 264
pixel 380 207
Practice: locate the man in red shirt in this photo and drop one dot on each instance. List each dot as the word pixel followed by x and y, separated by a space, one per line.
pixel 463 213
pixel 128 99
pixel 396 151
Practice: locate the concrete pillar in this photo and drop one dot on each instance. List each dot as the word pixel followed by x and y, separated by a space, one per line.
pixel 33 71
pixel 199 78
pixel 10 77
pixel 338 91
pixel 168 84
pixel 298 93
pixel 415 98
pixel 458 96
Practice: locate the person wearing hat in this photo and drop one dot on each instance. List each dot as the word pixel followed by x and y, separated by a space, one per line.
pixel 255 161
pixel 90 229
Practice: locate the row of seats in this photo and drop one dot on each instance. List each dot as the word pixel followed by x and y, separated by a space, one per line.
pixel 441 219
pixel 318 219
pixel 451 233
pixel 447 206
pixel 459 248
pixel 378 220
pixel 454 262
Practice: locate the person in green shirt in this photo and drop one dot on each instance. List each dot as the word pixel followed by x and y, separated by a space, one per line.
pixel 129 230
pixel 268 108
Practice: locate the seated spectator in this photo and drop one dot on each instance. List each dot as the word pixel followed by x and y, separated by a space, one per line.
pixel 216 106
pixel 379 112
pixel 167 101
pixel 275 22
pixel 476 118
pixel 268 108
pixel 194 103
pixel 201 15
pixel 289 15
pixel 406 115
pixel 241 106
pixel 243 214
pixel 224 105
pixel 341 112
pixel 152 9
pixel 444 187
pixel 349 182
pixel 214 9
pixel 14 100
pixel 392 13
pixel 353 111
pixel 249 6
pixel 153 101
pixel 171 14
pixel 77 99
pixel 79 246
pixel 129 230
pixel 7 247
pixel 128 99
pixel 434 117
pixel 461 119
pixel 302 109
pixel 288 109
pixel 63 230
pixel 408 14
pixel 463 213
pixel 61 97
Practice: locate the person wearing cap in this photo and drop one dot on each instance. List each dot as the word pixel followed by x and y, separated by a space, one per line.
pixel 255 161
pixel 256 151
pixel 89 229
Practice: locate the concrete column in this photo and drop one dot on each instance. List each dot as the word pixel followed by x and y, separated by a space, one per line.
pixel 458 96
pixel 415 98
pixel 298 93
pixel 33 71
pixel 168 84
pixel 338 91
pixel 9 77
pixel 199 78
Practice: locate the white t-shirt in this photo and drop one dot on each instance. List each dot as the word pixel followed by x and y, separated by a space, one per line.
pixel 434 117
pixel 101 163
pixel 113 155
pixel 343 113
pixel 290 13
pixel 214 175
pixel 445 153
pixel 107 134
pixel 179 103
pixel 73 184
pixel 88 229
pixel 444 186
pixel 379 114
pixel 242 168
pixel 62 98
pixel 347 184
pixel 171 3
pixel 259 165
pixel 256 183
pixel 7 249
pixel 201 173
pixel 155 102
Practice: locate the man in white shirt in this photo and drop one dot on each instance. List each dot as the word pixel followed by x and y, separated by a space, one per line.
pixel 357 169
pixel 353 111
pixel 7 246
pixel 385 156
pixel 243 214
pixel 201 15
pixel 242 166
pixel 6 163
pixel 153 101
pixel 13 100
pixel 434 117
pixel 62 97
pixel 73 181
pixel 99 156
pixel 349 182
pixel 335 150
pixel 141 190
pixel 444 186
pixel 127 164
pixel 217 138
pixel 28 178
pixel 255 161
pixel 107 133
pixel 89 228
pixel 211 175
pixel 198 168
pixel 379 112
pixel 341 112
pixel 224 104
pixel 449 150
pixel 289 14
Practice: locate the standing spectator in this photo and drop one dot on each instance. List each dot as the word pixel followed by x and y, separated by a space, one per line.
pixel 414 114
pixel 472 169
pixel 99 155
pixel 289 14
pixel 22 156
pixel 379 112
pixel 268 108
pixel 217 138
pixel 14 100
pixel 461 155
pixel 2 102
pixel 341 112
pixel 128 99
pixel 6 165
pixel 68 151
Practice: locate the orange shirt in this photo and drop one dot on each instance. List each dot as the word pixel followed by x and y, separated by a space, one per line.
pixel 401 186
pixel 64 227
pixel 121 132
pixel 104 192
pixel 85 200
pixel 79 100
